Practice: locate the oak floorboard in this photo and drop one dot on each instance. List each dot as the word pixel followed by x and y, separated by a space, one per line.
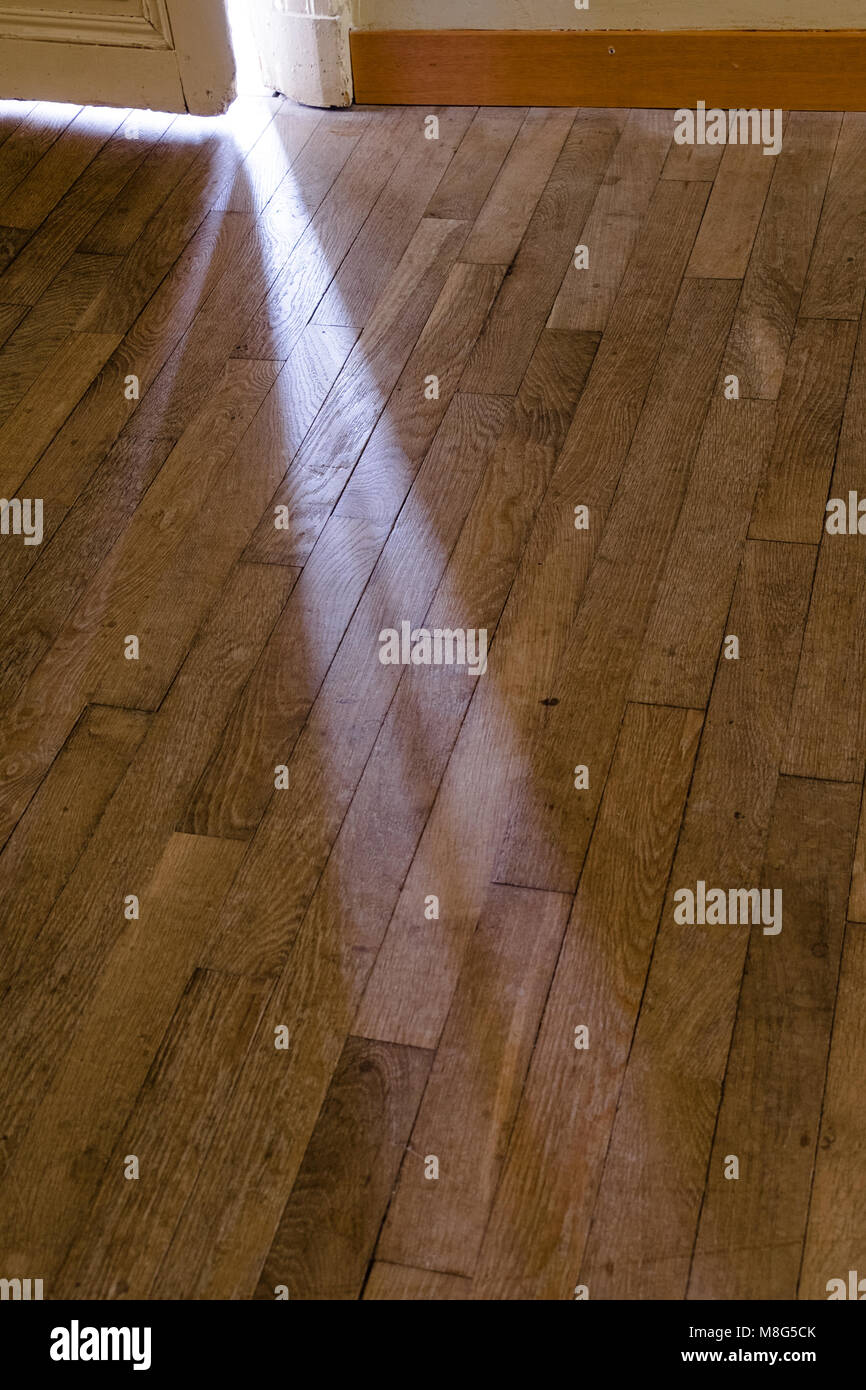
pixel 790 502
pixel 612 229
pixel 53 832
pixel 328 1229
pixel 646 1213
pixel 550 821
pixel 836 1228
pixel 171 1125
pixel 467 820
pixel 281 381
pixel 557 1148
pixel 472 1095
pixel 546 252
pixel 43 329
pixel 752 1228
pixel 129 841
pixel 399 1284
pixel 106 1061
pixel 776 275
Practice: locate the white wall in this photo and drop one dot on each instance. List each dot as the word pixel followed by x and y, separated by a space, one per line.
pixel 609 14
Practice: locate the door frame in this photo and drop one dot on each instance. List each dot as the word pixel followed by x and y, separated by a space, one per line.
pixel 163 58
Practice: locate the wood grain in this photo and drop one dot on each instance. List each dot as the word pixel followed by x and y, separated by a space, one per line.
pixel 834 1237
pixel 646 1212
pixel 751 1232
pixel 397 1283
pixel 685 633
pixel 813 70
pixel 372 388
pixel 549 823
pixel 774 281
pixel 327 1232
pixel 502 355
pixel 558 1144
pixel 790 503
pixel 481 1064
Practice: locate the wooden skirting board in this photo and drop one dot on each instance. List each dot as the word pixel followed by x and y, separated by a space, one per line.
pixel 806 70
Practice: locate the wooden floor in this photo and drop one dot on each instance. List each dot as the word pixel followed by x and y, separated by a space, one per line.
pixel 286 929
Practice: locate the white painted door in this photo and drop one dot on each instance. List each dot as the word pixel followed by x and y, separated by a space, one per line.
pixel 303 47
pixel 169 55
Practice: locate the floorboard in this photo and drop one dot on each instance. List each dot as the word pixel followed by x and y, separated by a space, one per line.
pixel 379 967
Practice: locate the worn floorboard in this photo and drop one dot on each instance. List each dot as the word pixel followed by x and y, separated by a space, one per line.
pixel 424 652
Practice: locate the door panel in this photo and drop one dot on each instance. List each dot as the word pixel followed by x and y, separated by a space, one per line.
pixel 171 55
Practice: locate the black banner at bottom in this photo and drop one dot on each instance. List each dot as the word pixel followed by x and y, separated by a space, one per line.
pixel 83 1339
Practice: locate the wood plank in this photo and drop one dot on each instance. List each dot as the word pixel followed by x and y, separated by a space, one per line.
pixel 396 1283
pixel 462 192
pixel 311 175
pixel 235 790
pixel 140 199
pixel 724 243
pixel 290 301
pixel 291 407
pixel 10 317
pixel 613 227
pixel 173 1123
pixel 465 828
pixel 646 1213
pixel 70 220
pixel 12 115
pixel 683 639
pixel 31 426
pixel 505 215
pixel 37 608
pixel 699 162
pixel 301 824
pixel 108 1056
pixel 412 983
pixel 103 412
pixel 538 1227
pixel 857 900
pixel 405 429
pixel 29 141
pixel 750 1238
pixel 837 271
pixel 166 569
pixel 502 355
pixel 130 839
pixel 12 239
pixel 471 1099
pixel 790 503
pixel 377 249
pixel 271 158
pixel 827 733
pixel 327 1232
pixel 47 325
pixel 774 281
pixel 319 988
pixel 172 228
pixel 347 419
pixel 809 70
pixel 17 559
pixel 549 824
pixel 51 835
pixel 835 1234
pixel 322 1002
pixel 49 180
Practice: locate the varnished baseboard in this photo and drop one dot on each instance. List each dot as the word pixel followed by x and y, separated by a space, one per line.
pixel 806 70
